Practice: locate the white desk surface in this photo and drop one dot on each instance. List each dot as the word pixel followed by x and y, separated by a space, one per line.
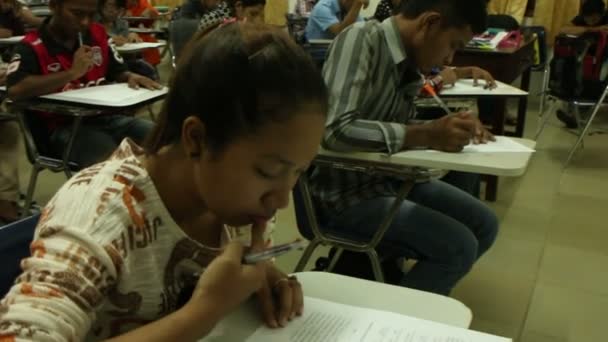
pixel 465 88
pixel 111 95
pixel 137 47
pixel 352 291
pixel 11 40
pixel 497 163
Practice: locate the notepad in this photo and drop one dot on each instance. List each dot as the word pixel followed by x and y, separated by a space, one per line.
pixel 467 87
pixel 111 95
pixel 501 145
pixel 324 321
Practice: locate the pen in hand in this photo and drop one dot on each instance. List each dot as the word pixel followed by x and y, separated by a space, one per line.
pixel 80 39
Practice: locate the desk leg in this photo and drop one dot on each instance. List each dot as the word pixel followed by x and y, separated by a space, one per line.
pixel 497 121
pixel 523 104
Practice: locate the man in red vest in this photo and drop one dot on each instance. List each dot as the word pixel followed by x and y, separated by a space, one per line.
pixel 70 51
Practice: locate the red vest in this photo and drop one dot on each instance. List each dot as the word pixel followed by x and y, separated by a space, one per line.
pixel 63 61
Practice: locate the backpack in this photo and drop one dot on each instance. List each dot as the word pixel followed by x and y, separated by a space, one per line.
pixel 579 68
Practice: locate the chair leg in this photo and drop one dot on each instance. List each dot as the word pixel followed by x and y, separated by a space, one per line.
pixel 544 118
pixel 585 130
pixel 545 88
pixel 376 265
pixel 30 190
pixel 307 254
pixel 334 259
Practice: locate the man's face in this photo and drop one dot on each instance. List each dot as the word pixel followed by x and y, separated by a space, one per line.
pixel 435 45
pixel 73 16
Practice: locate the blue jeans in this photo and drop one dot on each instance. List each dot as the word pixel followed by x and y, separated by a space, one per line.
pixel 443 227
pixel 99 136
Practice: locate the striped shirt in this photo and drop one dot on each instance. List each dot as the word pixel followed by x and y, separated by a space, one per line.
pixel 372 88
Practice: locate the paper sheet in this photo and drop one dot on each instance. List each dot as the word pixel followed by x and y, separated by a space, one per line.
pixel 327 321
pixel 139 46
pixel 502 144
pixel 466 87
pixel 111 95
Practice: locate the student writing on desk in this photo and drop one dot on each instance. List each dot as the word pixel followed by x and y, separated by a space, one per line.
pixel 117 246
pixel 373 74
pixel 52 59
pixel 110 16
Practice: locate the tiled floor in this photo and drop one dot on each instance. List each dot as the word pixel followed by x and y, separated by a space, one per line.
pixel 545 280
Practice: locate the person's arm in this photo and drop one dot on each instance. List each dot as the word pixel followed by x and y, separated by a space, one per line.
pixel 348 128
pixel 25 84
pixel 576 30
pixel 29 18
pixel 349 19
pixel 5 33
pixel 224 285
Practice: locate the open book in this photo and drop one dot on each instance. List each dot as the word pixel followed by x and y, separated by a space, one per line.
pixel 324 321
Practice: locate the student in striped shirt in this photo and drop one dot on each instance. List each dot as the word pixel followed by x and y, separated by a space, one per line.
pixel 373 72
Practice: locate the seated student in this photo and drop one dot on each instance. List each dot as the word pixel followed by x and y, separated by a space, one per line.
pixel 592 17
pixel 330 17
pixel 13 18
pixel 195 9
pixel 242 10
pixel 109 15
pixel 9 157
pixel 51 60
pixel 116 247
pixel 142 8
pixel 445 228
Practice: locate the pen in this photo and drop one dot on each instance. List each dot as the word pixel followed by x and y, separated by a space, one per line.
pixel 80 39
pixel 273 252
pixel 439 101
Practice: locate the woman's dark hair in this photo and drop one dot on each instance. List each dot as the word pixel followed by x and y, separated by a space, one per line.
pixel 235 79
pixel 455 13
pixel 591 7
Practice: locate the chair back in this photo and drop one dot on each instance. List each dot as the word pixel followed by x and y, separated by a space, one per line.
pixel 302 215
pixel 15 239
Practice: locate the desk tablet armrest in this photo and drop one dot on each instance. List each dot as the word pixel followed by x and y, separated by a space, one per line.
pixel 58 108
pixel 358 163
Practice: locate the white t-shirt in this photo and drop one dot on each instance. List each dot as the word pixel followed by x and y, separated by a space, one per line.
pixel 106 258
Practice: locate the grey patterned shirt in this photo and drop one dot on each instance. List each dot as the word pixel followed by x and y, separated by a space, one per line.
pixel 372 88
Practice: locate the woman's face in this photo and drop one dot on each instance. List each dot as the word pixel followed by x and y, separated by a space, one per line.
pixel 251 178
pixel 110 11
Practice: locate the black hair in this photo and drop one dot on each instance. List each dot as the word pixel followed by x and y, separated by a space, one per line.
pixel 454 13
pixel 591 7
pixel 235 79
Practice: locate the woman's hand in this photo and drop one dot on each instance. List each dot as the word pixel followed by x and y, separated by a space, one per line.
pixel 281 298
pixel 226 282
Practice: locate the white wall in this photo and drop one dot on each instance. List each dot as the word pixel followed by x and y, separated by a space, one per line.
pixel 366 13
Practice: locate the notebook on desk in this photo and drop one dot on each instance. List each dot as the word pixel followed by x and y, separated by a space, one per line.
pixel 328 321
pixel 111 95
